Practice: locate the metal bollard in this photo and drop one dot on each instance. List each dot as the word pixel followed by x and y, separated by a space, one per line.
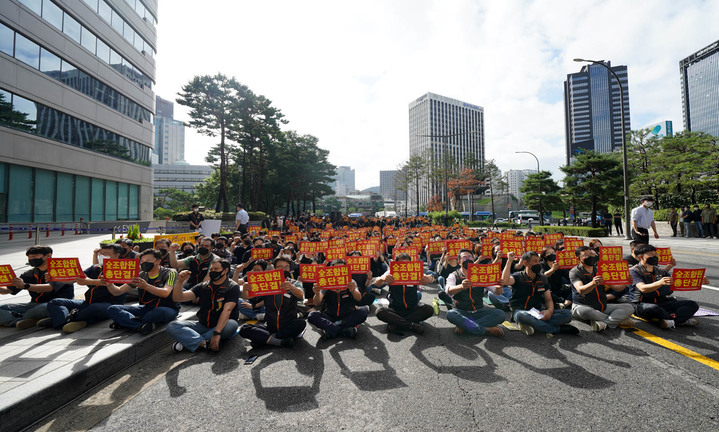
pixel 37 235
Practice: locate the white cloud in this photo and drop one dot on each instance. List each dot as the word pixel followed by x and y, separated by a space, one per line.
pixel 346 72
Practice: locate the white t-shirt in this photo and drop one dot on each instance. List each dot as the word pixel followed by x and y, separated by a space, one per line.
pixel 243 217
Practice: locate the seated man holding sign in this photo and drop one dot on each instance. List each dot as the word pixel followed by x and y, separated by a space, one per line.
pixel 651 292
pixel 405 312
pixel 217 317
pixel 469 314
pixel 337 314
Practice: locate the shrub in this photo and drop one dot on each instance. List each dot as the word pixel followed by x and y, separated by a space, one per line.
pixel 223 216
pixel 581 231
pixel 485 224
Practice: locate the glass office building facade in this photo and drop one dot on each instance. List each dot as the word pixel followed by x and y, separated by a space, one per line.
pixel 76 105
pixel 700 90
pixel 592 105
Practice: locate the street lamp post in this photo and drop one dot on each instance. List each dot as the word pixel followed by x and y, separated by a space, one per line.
pixel 627 228
pixel 541 216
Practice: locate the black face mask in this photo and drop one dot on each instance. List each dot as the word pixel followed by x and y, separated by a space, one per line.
pixel 465 264
pixel 590 261
pixel 147 266
pixel 552 257
pixel 273 241
pixel 163 252
pixel 247 242
pixel 189 251
pixel 36 262
pixel 203 251
pixel 220 246
pixel 287 274
pixel 536 268
pixel 596 249
pixel 216 275
pixel 652 261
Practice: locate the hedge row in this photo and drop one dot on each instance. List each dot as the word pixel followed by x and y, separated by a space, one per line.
pixel 582 231
pixel 485 224
pixel 225 217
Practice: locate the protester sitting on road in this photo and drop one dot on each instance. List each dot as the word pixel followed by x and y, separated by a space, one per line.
pixel 281 323
pixel 252 308
pixel 561 295
pixel 221 249
pixel 405 312
pixel 531 302
pixel 73 315
pixel 217 317
pixel 445 267
pixel 364 284
pixel 337 313
pixel 651 292
pixel 163 246
pixel 590 296
pixel 469 314
pixel 26 315
pixel 198 265
pixel 128 251
pixel 154 285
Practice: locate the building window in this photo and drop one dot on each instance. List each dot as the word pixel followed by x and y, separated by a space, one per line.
pixel 20 192
pixel 44 210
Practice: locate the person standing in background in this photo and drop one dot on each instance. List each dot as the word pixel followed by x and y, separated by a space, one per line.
pixel 673 219
pixel 195 219
pixel 242 219
pixel 618 222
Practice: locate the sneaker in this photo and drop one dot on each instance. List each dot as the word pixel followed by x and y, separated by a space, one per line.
pixel 446 299
pixel 115 326
pixel 691 322
pixel 377 291
pixel 74 326
pixel 458 331
pixel 526 329
pixel 260 316
pixel 666 324
pixel 567 329
pixel 627 323
pixel 45 322
pixel 26 324
pixel 146 328
pixel 417 328
pixel 324 335
pixel 495 331
pixel 349 332
pixel 177 347
pixel 598 326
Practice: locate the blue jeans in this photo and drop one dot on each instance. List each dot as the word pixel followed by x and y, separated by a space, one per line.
pixel 559 317
pixel 475 322
pixel 441 282
pixel 133 317
pixel 10 314
pixel 192 334
pixel 501 299
pixel 60 308
pixel 686 228
pixel 700 229
pixel 252 313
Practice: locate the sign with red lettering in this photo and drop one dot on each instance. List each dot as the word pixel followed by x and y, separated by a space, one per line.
pixel 262 253
pixel 614 272
pixel 120 271
pixel 64 269
pixel 483 275
pixel 334 278
pixel 454 246
pixel 358 265
pixel 308 272
pixel 610 253
pixel 665 256
pixel 265 283
pixel 6 275
pixel 406 272
pixel 687 279
pixel 566 259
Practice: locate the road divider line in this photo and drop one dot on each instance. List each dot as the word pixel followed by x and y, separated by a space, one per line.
pixel 710 287
pixel 678 348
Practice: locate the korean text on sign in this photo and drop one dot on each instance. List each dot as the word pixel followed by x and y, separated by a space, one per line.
pixel 176 238
pixel 566 259
pixel 333 253
pixel 571 243
pixel 454 246
pixel 614 272
pixel 406 272
pixel 262 253
pixel 535 244
pixel 64 269
pixel 516 246
pixel 120 271
pixel 308 272
pixel 334 278
pixel 483 275
pixel 610 253
pixel 412 252
pixel 358 265
pixel 687 279
pixel 265 283
pixel 665 256
pixel 6 275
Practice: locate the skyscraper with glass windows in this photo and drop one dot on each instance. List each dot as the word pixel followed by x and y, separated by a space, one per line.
pixel 76 105
pixel 440 126
pixel 700 90
pixel 592 109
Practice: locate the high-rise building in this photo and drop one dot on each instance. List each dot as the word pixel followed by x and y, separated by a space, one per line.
pixel 76 104
pixel 183 177
pixel 344 181
pixel 388 188
pixel 700 90
pixel 440 126
pixel 169 135
pixel 592 109
pixel 515 180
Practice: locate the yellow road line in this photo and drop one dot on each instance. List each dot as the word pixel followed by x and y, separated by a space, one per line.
pixel 679 349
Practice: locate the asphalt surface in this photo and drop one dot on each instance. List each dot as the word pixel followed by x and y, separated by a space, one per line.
pixel 614 380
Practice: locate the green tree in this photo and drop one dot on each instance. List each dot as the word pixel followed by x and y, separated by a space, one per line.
pixel 542 193
pixel 416 168
pixel 689 163
pixel 593 178
pixel 402 184
pixel 644 161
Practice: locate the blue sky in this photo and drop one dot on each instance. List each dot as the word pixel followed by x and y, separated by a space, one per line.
pixel 346 71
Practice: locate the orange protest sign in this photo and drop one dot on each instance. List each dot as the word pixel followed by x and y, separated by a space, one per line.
pixel 406 272
pixel 354 235
pixel 6 275
pixel 326 235
pixel 572 243
pixel 64 269
pixel 358 265
pixel 566 259
pixel 435 247
pixel 535 244
pixel 687 279
pixel 610 253
pixel 308 272
pixel 334 278
pixel 262 253
pixel 273 233
pixel 307 247
pixel 368 247
pixel 291 238
pixel 487 249
pixel 483 275
pixel 265 283
pixel 614 272
pixel 454 246
pixel 413 252
pixel 334 243
pixel 551 239
pixel 120 271
pixel 294 229
pixel 516 246
pixel 334 253
pixel 391 241
pixel 665 256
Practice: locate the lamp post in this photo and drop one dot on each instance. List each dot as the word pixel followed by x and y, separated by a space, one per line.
pixel 627 227
pixel 541 216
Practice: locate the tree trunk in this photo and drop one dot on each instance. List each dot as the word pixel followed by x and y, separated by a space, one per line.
pixel 221 196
